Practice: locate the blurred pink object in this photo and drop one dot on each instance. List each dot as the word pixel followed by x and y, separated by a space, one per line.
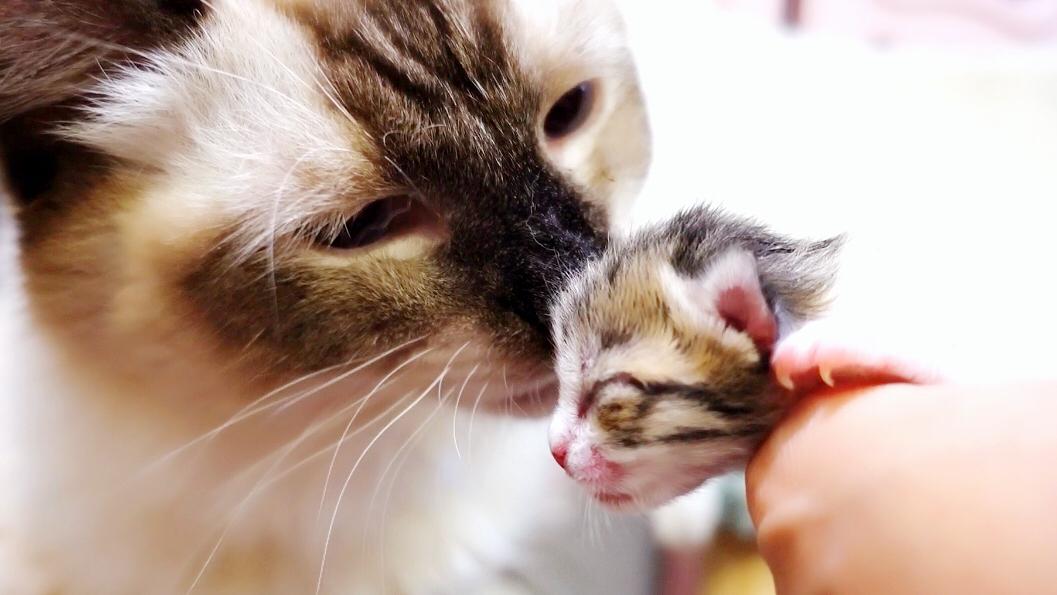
pixel 946 22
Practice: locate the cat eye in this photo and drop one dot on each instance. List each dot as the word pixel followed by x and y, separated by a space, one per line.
pixel 374 222
pixel 570 111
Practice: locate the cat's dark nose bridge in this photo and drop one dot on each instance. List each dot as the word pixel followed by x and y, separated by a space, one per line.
pixel 520 229
pixel 558 242
pixel 554 238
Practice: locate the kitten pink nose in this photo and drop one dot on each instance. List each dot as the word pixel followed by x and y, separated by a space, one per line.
pixel 560 452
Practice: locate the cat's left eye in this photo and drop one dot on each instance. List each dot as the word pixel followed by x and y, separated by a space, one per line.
pixel 371 224
pixel 384 219
pixel 570 111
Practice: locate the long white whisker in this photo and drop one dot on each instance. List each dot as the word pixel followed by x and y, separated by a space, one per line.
pixel 348 426
pixel 344 487
pixel 153 57
pixel 406 446
pixel 281 455
pixel 348 478
pixel 257 406
pixel 343 376
pixel 274 223
pixel 337 443
pixel 455 411
pixel 235 418
pixel 473 414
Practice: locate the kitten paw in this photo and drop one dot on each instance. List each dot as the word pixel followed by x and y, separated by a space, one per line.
pixel 825 353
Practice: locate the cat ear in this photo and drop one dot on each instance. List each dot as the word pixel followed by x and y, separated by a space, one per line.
pixel 730 290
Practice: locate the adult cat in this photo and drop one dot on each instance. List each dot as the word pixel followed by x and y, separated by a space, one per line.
pixel 272 243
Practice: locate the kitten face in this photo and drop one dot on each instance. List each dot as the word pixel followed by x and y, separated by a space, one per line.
pixel 299 184
pixel 663 347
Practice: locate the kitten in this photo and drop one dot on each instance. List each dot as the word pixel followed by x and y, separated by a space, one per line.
pixel 664 348
pixel 271 243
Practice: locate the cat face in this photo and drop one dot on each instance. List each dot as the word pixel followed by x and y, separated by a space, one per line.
pixel 663 354
pixel 298 184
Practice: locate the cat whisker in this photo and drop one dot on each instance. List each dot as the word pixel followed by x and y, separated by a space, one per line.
pixel 407 179
pixel 273 226
pixel 455 411
pixel 345 438
pixel 259 405
pixel 281 455
pixel 345 375
pixel 174 58
pixel 402 454
pixel 348 478
pixel 240 507
pixel 348 426
pixel 473 413
pixel 239 415
pixel 337 443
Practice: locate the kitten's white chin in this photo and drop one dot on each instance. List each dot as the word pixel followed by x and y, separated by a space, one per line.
pixel 640 501
pixel 650 485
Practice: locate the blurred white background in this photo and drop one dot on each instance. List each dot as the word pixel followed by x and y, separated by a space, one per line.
pixel 925 129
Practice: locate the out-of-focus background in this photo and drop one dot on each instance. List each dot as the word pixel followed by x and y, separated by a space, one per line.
pixel 925 129
pixel 954 23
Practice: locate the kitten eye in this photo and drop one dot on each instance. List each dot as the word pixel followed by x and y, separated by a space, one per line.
pixel 372 223
pixel 569 113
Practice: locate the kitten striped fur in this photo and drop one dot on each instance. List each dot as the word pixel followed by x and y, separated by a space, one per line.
pixel 663 349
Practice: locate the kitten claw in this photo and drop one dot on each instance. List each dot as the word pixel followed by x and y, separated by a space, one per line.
pixel 823 354
pixel 785 380
pixel 826 374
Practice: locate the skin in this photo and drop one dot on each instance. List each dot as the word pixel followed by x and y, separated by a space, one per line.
pixel 958 500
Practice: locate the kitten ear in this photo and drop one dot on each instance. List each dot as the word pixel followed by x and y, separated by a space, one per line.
pixel 730 289
pixel 799 277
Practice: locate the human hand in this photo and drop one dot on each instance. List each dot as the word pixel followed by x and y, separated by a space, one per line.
pixel 911 489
